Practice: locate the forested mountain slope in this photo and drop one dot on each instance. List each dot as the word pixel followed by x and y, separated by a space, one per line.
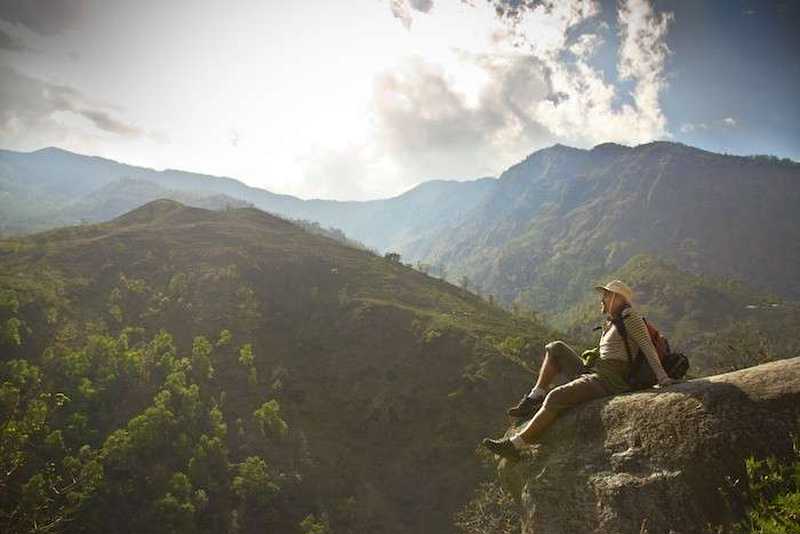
pixel 539 236
pixel 563 217
pixel 186 370
pixel 549 224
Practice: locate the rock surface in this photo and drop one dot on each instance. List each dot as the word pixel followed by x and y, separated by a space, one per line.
pixel 654 461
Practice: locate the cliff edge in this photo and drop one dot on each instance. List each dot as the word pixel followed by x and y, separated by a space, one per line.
pixel 655 461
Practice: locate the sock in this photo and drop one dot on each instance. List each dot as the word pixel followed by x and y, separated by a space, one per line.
pixel 537 393
pixel 518 442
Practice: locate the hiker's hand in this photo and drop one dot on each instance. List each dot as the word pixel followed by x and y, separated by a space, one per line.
pixel 666 382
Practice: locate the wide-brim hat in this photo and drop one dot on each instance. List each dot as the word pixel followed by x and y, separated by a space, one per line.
pixel 619 287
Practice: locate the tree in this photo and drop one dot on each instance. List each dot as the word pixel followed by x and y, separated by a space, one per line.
pixel 255 489
pixel 392 256
pixel 269 419
pixel 201 358
pixel 247 360
pixel 312 525
pixel 41 485
pixel 176 509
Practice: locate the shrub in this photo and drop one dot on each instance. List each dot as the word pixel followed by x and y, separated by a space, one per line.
pixel 774 495
pixel 492 509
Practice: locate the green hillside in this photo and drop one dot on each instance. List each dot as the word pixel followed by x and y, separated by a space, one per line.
pixel 185 370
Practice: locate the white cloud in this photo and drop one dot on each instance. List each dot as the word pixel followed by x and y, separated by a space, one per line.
pixel 428 129
pixel 727 122
pixel 586 45
pixel 586 111
pixel 401 9
pixel 31 104
pixel 426 125
pixel 642 56
pixel 580 106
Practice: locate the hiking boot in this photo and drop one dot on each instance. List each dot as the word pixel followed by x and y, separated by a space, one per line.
pixel 503 448
pixel 527 406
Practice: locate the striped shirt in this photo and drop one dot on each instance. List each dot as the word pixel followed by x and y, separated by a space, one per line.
pixel 612 344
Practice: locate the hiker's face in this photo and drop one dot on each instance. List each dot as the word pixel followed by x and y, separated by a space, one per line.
pixel 606 301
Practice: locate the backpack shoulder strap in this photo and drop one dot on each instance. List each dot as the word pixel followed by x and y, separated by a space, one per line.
pixel 619 322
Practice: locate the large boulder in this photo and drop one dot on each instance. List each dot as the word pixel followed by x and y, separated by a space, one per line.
pixel 657 461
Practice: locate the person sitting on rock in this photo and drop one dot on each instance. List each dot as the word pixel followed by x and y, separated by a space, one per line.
pixel 605 374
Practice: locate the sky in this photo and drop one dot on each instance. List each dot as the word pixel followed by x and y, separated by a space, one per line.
pixel 363 99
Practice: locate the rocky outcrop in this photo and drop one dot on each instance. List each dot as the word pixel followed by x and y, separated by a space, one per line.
pixel 656 461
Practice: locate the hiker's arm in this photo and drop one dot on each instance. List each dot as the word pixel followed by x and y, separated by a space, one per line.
pixel 638 331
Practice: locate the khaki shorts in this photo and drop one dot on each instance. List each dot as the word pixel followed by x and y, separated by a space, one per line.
pixel 582 385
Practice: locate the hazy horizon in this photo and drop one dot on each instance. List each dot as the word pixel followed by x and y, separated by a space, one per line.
pixel 400 193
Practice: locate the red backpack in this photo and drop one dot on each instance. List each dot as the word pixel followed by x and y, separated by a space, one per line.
pixel 659 342
pixel 640 375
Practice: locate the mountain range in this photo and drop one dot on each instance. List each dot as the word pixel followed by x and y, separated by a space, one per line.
pixel 537 236
pixel 168 367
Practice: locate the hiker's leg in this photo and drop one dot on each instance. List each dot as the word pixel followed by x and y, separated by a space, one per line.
pixel 578 391
pixel 547 372
pixel 540 422
pixel 558 358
